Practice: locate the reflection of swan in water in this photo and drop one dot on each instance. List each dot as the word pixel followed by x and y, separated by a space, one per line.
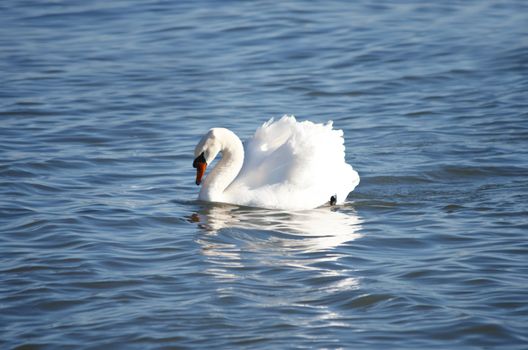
pixel 278 258
pixel 310 230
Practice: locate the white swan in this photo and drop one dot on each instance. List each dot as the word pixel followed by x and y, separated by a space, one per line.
pixel 287 165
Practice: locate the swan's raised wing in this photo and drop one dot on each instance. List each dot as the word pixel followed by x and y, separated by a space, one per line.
pixel 268 155
pixel 296 162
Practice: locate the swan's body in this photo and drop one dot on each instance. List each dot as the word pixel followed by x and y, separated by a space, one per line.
pixel 286 165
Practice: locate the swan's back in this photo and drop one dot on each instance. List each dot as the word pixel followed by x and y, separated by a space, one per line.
pixel 293 165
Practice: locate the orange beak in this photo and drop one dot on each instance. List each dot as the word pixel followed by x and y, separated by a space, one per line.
pixel 200 164
pixel 200 171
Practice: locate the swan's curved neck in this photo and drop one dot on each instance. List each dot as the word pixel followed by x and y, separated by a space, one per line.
pixel 227 168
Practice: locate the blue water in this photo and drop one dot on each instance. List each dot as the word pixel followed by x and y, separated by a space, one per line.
pixel 102 244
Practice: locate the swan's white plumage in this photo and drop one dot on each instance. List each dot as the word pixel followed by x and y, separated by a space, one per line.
pixel 285 165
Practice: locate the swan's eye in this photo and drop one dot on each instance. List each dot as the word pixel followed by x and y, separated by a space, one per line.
pixel 199 159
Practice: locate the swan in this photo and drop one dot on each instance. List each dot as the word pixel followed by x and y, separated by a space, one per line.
pixel 286 165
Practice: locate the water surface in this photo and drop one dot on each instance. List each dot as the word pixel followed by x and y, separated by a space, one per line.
pixel 103 245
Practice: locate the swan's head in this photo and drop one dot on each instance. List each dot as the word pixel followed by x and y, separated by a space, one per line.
pixel 205 152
